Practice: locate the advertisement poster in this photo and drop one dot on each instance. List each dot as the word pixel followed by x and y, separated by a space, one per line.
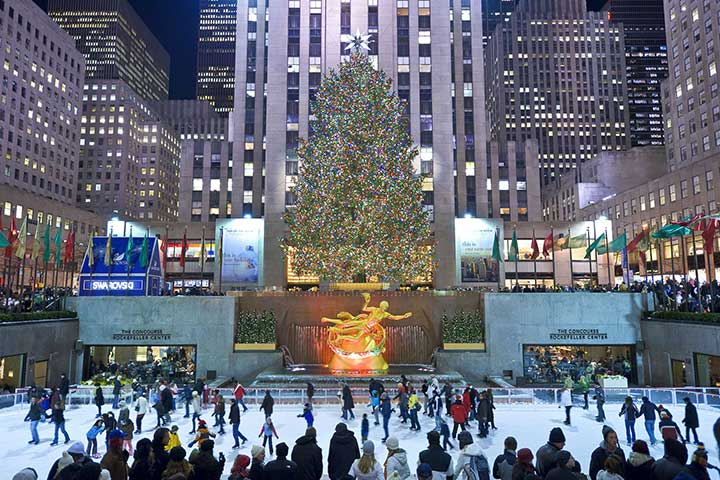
pixel 473 250
pixel 242 244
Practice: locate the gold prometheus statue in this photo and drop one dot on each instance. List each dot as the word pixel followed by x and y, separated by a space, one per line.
pixel 358 341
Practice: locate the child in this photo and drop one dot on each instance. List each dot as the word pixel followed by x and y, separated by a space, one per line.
pixel 174 439
pixel 307 415
pixel 365 428
pixel 375 404
pixel 92 435
pixel 668 428
pixel 445 433
pixel 267 431
pixel 202 434
pixel 127 427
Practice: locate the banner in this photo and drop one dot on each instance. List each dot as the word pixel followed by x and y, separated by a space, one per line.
pixel 474 250
pixel 242 248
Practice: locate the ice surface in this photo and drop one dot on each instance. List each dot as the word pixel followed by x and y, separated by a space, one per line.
pixel 530 424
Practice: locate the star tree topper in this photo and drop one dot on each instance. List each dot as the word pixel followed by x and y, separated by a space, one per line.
pixel 358 42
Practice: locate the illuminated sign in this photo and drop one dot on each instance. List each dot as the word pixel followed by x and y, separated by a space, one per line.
pixel 113 285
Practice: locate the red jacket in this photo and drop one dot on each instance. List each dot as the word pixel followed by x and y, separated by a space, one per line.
pixel 458 413
pixel 466 402
pixel 239 392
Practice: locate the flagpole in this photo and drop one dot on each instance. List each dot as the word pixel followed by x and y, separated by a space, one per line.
pixel 222 231
pixel 552 251
pixel 587 230
pixel 183 253
pixel 535 262
pixel 697 277
pixel 202 256
pixel 517 254
pixel 672 258
pixel 683 258
pixel 607 253
pixel 652 275
pixel 497 236
pixel 572 273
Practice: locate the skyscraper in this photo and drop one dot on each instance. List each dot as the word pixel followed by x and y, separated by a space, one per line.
pixel 494 12
pixel 216 53
pixel 647 65
pixel 116 44
pixel 556 73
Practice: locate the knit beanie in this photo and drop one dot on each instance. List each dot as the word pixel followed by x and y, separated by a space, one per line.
pixel 465 438
pixel 640 446
pixel 256 451
pixel 525 455
pixel 606 430
pixel 563 458
pixel 368 448
pixel 556 435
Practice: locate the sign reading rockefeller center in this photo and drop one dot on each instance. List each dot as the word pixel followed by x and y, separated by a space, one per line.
pixel 141 335
pixel 578 334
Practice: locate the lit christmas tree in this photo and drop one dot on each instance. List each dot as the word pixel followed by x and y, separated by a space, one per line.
pixel 358 211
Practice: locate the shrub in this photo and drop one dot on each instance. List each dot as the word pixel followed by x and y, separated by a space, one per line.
pixel 463 327
pixel 29 316
pixel 255 327
pixel 687 316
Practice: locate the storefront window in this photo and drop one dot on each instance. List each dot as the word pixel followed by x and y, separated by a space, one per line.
pixel 551 364
pixel 143 363
pixel 707 370
pixel 11 373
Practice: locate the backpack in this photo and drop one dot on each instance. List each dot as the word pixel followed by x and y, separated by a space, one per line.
pixel 476 469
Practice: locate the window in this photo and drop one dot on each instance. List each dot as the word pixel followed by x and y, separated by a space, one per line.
pixel 709 180
pixel 683 189
pixel 696 184
pixel 673 194
pixel 661 196
pixel 197 184
pixel 643 205
pixel 651 199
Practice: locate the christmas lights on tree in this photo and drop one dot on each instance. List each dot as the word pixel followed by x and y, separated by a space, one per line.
pixel 358 211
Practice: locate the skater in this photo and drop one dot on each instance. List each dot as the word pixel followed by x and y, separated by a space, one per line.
pixel 310 392
pixel 267 404
pixel 348 403
pixel 92 435
pixel 127 427
pixel 342 453
pixel 402 399
pixel 367 467
pixel 668 428
pixel 160 412
pixel 117 388
pixel 672 463
pixel 99 399
pixel 34 416
pixel 425 389
pixel 566 401
pixel 187 398
pixel 471 463
pixel 639 463
pixel 396 463
pixel 546 456
pixel 599 401
pixel 375 404
pixel 267 431
pixel 583 387
pixel 491 406
pixel 648 410
pixel 174 439
pixel 504 464
pixel 308 415
pixel 141 408
pixel 610 446
pixel 448 393
pixel 441 463
pixel 308 456
pixel 386 412
pixel 235 422
pixel 239 394
pixel 110 423
pixel 524 468
pixel 202 435
pixel 445 434
pixel 197 409
pixel 459 417
pixel 690 421
pixel 64 388
pixel 413 408
pixel 481 415
pixel 631 413
pixel 438 408
pixel 219 414
pixel 364 428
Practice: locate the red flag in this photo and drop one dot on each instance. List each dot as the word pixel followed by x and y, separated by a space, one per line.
pixel 710 226
pixel 163 252
pixel 183 249
pixel 548 245
pixel 535 248
pixel 12 237
pixel 632 246
pixel 686 222
pixel 70 247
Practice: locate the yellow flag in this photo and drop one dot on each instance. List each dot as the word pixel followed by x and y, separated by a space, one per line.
pixel 36 243
pixel 22 240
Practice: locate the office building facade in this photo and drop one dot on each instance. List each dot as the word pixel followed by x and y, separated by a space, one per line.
pixel 116 44
pixel 216 53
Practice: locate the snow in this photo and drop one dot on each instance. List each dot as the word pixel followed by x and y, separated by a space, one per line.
pixel 529 424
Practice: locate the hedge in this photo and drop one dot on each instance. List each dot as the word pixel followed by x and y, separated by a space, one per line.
pixel 463 327
pixel 255 327
pixel 28 316
pixel 687 316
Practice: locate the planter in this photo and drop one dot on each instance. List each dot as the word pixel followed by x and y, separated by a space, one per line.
pixel 464 346
pixel 254 346
pixel 613 382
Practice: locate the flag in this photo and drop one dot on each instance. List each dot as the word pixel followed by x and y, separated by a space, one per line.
pixel 58 246
pixel 513 253
pixel 617 245
pixel 144 252
pixel 128 251
pixel 108 250
pixel 47 253
pixel 11 238
pixel 91 251
pixel 183 249
pixel 496 249
pixel 163 251
pixel 36 243
pixel 20 245
pixel 535 248
pixel 710 226
pixel 594 245
pixel 688 221
pixel 670 231
pixel 70 247
pixel 578 241
pixel 548 245
pixel 633 245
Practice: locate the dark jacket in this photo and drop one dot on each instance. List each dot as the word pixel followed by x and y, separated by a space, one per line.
pixel 308 457
pixel 631 413
pixel 503 466
pixel 599 455
pixel 385 408
pixel 280 469
pixel 347 398
pixel 638 466
pixel 310 390
pixel 162 457
pixel 206 466
pixel 117 387
pixel 53 469
pixel 267 405
pixel 698 472
pixel 99 397
pixel 64 386
pixel 691 416
pixel 343 452
pixel 234 414
pixel 438 459
pixel 257 471
pixel 648 409
pixel 522 470
pixel 546 459
pixel 672 463
pixel 166 398
pixel 561 473
pixel 141 470
pixel 483 408
pixel 58 416
pixel 35 412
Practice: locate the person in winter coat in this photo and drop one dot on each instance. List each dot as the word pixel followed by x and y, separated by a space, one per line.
pixel 267 404
pixel 648 409
pixel 396 463
pixel 204 463
pixel 343 452
pixel 672 463
pixel 160 456
pixel 99 399
pixel 439 460
pixel 266 432
pixel 308 456
pixel 142 460
pixel 166 397
pixel 367 467
pixel 115 460
pixel 668 428
pixel 348 403
pixel 117 388
pixel 364 428
pixel 310 392
pixel 583 387
pixel 160 412
pixel 471 463
pixel 92 435
pixel 386 412
pixel 203 434
pixel 174 440
pixel 610 446
pixel 141 408
pixel 187 398
pixel 58 418
pixel 639 463
pixel 444 433
pixel 235 422
pixel 523 468
pixel 503 465
pixel 281 468
pixel 599 402
pixel 219 414
pixel 64 388
pixel 375 405
pixel 612 469
pixel 413 409
pixel 565 468
pixel 127 427
pixel 178 465
pixel 34 415
pixel 307 415
pixel 691 420
pixel 257 468
pixel 197 409
pixel 566 401
pixel 546 456
pixel 482 413
pixel 239 470
pixel 698 467
pixel 239 394
pixel 459 416
pixel 631 413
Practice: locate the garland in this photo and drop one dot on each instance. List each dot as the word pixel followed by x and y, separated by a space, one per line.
pixel 255 327
pixel 463 327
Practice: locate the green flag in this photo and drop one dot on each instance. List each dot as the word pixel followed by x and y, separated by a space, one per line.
pixel 496 249
pixel 670 231
pixel 128 251
pixel 46 241
pixel 58 246
pixel 567 241
pixel 594 245
pixel 4 243
pixel 144 252
pixel 513 253
pixel 617 245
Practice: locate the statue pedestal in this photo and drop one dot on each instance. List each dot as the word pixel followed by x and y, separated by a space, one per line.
pixel 369 364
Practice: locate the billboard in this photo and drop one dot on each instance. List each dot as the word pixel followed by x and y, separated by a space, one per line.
pixel 474 239
pixel 242 251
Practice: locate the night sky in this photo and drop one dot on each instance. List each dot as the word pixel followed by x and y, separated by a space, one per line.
pixel 175 24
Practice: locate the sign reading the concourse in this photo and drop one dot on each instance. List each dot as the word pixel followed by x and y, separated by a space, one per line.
pixel 142 335
pixel 578 334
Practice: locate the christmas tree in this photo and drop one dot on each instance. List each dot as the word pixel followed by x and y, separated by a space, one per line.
pixel 358 211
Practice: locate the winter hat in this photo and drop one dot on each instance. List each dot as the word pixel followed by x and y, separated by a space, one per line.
pixel 77 448
pixel 177 454
pixel 207 445
pixel 368 448
pixel 311 432
pixel 424 470
pixel 26 474
pixel 640 446
pixel 64 461
pixel 525 455
pixel 677 450
pixel 340 427
pixel 433 437
pixel 563 458
pixel 256 451
pixel 194 394
pixel 465 438
pixel 240 464
pixel 664 414
pixel 282 449
pixel 202 423
pixel 174 428
pixel 115 434
pixel 700 453
pixel 556 435
pixel 392 443
pixel 104 475
pixel 606 430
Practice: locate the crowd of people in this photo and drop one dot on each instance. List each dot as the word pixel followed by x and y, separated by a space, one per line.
pixel 165 458
pixel 546 364
pixel 32 300
pixel 175 364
